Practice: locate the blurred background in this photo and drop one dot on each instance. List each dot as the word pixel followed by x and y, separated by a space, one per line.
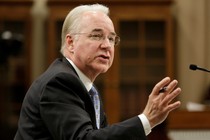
pixel 158 38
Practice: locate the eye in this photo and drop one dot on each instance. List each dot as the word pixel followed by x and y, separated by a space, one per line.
pixel 96 36
pixel 111 39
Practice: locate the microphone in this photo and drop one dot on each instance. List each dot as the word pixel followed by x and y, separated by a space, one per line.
pixel 195 67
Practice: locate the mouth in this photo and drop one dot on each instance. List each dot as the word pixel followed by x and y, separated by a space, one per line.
pixel 104 57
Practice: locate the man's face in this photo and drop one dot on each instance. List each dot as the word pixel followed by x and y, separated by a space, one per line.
pixel 93 48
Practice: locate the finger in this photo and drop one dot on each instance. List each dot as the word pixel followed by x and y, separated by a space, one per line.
pixel 171 96
pixel 160 85
pixel 173 106
pixel 167 89
pixel 171 86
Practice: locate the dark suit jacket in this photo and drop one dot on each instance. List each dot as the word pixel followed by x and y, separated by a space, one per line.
pixel 57 106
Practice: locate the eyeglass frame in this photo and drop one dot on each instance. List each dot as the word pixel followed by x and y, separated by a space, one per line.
pixel 99 36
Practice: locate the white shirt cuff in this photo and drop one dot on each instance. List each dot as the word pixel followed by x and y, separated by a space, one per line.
pixel 145 123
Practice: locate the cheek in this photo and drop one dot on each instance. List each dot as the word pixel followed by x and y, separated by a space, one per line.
pixel 85 52
pixel 112 56
pixel 112 53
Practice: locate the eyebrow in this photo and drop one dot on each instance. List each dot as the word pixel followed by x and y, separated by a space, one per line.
pixel 100 30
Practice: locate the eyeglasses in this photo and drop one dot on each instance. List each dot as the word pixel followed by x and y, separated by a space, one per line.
pixel 113 39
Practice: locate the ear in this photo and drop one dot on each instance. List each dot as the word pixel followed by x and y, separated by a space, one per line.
pixel 69 43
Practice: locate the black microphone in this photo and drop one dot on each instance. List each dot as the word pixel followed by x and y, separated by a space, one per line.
pixel 195 67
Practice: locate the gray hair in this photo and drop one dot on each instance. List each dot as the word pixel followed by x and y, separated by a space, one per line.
pixel 71 22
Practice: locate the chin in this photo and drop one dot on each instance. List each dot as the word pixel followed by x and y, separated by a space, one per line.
pixel 103 70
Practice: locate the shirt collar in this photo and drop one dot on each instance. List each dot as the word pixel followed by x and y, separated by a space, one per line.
pixel 85 80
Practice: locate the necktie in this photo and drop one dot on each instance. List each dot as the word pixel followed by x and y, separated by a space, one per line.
pixel 96 102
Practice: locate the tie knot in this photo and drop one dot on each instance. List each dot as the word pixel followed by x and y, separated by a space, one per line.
pixel 93 91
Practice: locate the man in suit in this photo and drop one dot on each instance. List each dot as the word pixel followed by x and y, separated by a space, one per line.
pixel 59 104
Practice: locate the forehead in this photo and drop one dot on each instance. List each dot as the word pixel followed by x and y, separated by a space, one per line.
pixel 96 21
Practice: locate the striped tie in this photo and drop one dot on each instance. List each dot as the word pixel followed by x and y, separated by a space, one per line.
pixel 95 99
